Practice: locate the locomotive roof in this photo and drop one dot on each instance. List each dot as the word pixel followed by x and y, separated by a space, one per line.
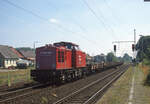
pixel 65 43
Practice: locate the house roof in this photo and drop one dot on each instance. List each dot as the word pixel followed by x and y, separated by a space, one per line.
pixel 28 53
pixel 17 52
pixel 7 52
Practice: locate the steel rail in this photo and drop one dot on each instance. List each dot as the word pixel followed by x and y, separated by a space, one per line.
pixel 103 88
pixel 3 97
pixel 5 88
pixel 89 85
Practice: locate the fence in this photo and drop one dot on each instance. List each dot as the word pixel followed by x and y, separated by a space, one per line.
pixel 12 77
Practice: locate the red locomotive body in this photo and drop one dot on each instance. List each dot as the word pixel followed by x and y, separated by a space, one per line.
pixel 80 59
pixel 60 61
pixel 45 58
pixel 60 56
pixel 63 58
pixel 51 58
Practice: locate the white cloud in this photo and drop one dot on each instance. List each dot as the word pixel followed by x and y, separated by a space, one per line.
pixel 53 20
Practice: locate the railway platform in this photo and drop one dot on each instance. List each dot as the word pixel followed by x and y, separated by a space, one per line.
pixel 129 89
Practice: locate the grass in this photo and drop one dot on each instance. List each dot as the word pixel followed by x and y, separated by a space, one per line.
pixel 141 92
pixel 119 92
pixel 14 76
pixel 146 70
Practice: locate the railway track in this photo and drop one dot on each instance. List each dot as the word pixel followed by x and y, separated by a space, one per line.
pixel 17 86
pixel 89 93
pixel 9 96
pixel 16 96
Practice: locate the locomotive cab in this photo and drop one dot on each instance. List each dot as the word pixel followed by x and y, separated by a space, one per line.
pixel 78 57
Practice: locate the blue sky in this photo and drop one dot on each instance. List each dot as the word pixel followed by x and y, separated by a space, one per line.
pixel 116 21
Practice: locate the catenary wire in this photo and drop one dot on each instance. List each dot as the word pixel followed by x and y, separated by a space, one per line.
pixel 99 19
pixel 42 18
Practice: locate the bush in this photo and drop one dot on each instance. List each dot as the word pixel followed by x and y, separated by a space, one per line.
pixel 146 62
pixel 147 80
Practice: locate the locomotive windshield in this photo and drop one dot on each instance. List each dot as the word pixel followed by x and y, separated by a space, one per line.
pixel 68 45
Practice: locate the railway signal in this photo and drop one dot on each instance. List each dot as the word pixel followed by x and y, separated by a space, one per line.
pixel 133 47
pixel 114 48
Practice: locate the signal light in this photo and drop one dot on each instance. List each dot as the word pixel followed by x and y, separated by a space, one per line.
pixel 114 48
pixel 133 47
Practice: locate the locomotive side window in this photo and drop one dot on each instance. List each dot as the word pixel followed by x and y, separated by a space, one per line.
pixel 59 56
pixel 62 56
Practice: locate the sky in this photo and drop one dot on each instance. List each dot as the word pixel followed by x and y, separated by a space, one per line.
pixel 92 24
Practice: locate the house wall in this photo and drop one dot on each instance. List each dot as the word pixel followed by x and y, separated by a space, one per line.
pixel 1 61
pixel 10 62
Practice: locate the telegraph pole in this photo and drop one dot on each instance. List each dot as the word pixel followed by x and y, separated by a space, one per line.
pixel 34 47
pixel 134 36
pixel 134 43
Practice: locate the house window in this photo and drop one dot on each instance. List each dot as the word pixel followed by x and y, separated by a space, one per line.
pixel 6 61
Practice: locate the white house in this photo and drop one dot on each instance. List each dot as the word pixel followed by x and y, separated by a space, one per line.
pixel 7 57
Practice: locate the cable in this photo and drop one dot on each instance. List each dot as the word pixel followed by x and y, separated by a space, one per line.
pixel 99 19
pixel 28 11
pixel 81 28
pixel 36 15
pixel 102 16
pixel 111 10
pixel 40 17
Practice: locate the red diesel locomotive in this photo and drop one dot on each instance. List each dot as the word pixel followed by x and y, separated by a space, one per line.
pixel 64 61
pixel 60 61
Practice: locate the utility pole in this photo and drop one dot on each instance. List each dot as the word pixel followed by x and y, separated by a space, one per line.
pixel 134 36
pixel 34 47
pixel 134 43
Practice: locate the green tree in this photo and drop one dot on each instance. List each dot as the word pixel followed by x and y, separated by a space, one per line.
pixel 143 49
pixel 25 49
pixel 111 57
pixel 127 58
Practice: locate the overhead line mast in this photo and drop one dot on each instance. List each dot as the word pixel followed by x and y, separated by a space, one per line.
pixel 133 45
